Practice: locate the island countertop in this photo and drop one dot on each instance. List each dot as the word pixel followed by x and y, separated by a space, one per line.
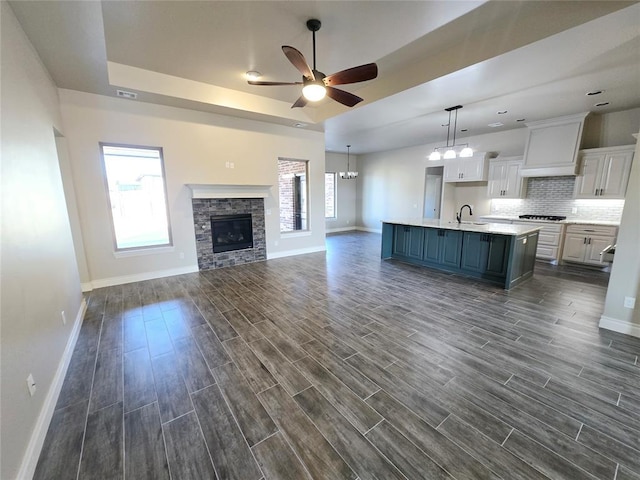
pixel 481 227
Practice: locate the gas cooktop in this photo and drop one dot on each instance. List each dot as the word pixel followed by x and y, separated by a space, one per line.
pixel 553 218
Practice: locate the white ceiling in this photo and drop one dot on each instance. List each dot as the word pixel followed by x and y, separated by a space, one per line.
pixel 535 59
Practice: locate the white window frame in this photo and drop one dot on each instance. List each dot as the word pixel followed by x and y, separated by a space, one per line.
pixel 142 249
pixel 335 195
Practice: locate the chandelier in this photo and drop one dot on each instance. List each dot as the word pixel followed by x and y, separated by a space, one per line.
pixel 453 150
pixel 348 175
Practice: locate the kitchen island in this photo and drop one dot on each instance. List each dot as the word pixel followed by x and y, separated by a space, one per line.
pixel 496 252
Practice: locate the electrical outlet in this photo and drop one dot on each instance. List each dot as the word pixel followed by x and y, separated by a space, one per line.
pixel 275 242
pixel 268 211
pixel 233 165
pixel 31 385
pixel 227 164
pixel 64 317
pixel 574 210
pixel 629 302
pixel 181 255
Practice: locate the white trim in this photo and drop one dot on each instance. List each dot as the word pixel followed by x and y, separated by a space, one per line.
pixel 34 447
pixel 139 277
pixel 341 229
pixel 86 287
pixel 137 252
pixel 199 190
pixel 295 233
pixel 620 326
pixel 299 251
pixel 367 229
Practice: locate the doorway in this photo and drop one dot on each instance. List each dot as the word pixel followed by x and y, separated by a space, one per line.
pixel 433 192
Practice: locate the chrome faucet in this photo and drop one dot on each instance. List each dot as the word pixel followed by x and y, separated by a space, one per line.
pixel 459 215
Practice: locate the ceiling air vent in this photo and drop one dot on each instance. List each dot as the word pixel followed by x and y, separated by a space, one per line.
pixel 125 94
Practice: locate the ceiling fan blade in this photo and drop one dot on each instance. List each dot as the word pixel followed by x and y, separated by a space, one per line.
pixel 298 61
pixel 256 82
pixel 345 98
pixel 301 102
pixel 352 75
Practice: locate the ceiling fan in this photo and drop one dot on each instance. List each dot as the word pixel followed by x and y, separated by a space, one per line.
pixel 315 83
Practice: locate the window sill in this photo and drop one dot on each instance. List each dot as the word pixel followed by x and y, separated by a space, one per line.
pixel 298 233
pixel 144 251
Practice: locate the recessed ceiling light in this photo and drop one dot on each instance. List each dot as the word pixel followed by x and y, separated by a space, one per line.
pixel 501 112
pixel 252 75
pixel 595 92
pixel 299 125
pixel 601 104
pixel 496 124
pixel 521 120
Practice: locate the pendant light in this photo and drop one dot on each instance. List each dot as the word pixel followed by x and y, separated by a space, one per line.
pixel 453 150
pixel 348 175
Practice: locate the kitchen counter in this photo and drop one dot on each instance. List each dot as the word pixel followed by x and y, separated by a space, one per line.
pixel 479 226
pixel 497 252
pixel 568 221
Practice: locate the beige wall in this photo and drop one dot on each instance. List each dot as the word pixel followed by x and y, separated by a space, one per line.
pixel 345 192
pixel 625 272
pixel 196 147
pixel 39 273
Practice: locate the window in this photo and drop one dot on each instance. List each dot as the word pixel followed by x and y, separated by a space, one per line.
pixel 330 195
pixel 292 183
pixel 137 196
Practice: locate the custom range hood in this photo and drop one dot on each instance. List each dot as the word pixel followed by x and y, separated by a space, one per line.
pixel 552 146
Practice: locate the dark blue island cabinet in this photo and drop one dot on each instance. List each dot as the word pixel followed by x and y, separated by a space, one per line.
pixel 505 258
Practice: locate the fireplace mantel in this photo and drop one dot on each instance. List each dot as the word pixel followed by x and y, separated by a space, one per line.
pixel 228 191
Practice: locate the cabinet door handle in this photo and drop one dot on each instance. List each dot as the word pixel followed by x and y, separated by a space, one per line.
pixel 589 242
pixel 584 241
pixel 601 191
pixel 596 192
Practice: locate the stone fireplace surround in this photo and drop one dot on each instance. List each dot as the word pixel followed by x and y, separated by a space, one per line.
pixel 208 200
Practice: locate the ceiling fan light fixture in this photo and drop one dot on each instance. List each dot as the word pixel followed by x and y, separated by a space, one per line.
pixel 314 91
pixel 252 75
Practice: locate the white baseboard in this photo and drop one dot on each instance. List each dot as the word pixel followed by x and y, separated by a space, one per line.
pixel 86 287
pixel 139 277
pixel 620 326
pixel 32 453
pixel 341 229
pixel 291 253
pixel 371 230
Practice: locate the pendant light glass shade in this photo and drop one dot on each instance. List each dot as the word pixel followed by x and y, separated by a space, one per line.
pixel 449 154
pixel 435 155
pixel 466 152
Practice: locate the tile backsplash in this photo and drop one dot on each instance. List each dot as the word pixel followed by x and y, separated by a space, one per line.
pixel 554 196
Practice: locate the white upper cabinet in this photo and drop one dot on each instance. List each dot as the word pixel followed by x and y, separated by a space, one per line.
pixel 552 146
pixel 604 172
pixel 469 169
pixel 505 180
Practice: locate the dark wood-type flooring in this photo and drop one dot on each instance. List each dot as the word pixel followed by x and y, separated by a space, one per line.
pixel 343 366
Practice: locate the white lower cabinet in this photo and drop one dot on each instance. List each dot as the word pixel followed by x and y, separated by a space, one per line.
pixel 583 243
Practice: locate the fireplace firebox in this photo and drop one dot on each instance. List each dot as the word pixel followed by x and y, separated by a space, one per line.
pixel 231 232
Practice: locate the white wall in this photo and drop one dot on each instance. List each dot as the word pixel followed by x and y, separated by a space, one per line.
pixel 345 192
pixel 625 272
pixel 196 147
pixel 39 272
pixel 391 184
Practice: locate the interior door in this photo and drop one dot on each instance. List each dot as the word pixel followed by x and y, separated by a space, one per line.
pixel 432 192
